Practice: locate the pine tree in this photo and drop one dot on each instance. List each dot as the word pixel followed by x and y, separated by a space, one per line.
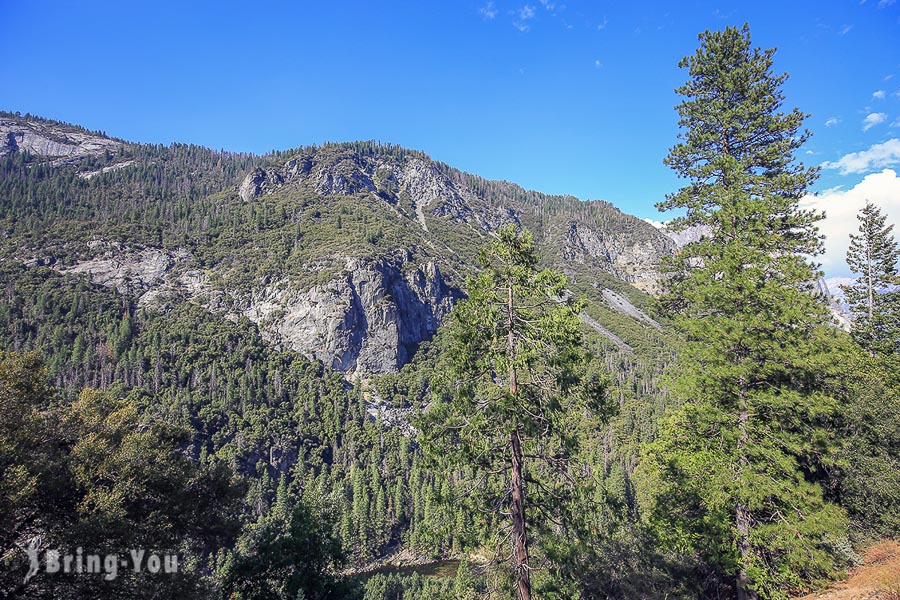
pixel 873 297
pixel 734 475
pixel 518 395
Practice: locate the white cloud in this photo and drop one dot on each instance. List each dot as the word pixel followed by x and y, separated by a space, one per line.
pixel 655 223
pixel 845 29
pixel 873 119
pixel 832 121
pixel 876 157
pixel 603 25
pixel 598 64
pixel 525 14
pixel 879 95
pixel 886 3
pixel 548 4
pixel 488 11
pixel 841 208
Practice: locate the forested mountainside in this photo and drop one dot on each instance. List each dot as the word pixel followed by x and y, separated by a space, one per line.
pixel 349 253
pixel 350 372
pixel 285 311
pixel 267 366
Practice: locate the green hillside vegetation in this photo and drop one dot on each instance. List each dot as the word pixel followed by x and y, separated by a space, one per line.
pixel 722 439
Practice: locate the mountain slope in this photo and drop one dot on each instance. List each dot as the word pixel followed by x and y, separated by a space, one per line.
pixel 351 254
pixel 198 284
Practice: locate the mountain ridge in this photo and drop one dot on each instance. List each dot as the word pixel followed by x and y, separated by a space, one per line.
pixel 350 253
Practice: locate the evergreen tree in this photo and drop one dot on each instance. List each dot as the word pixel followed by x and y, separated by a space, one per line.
pixel 519 393
pixel 289 553
pixel 869 478
pixel 873 298
pixel 870 486
pixel 94 474
pixel 735 474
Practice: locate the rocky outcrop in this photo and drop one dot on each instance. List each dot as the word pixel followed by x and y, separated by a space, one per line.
pixel 147 274
pixel 343 178
pixel 686 236
pixel 50 140
pixel 833 297
pixel 596 326
pixel 345 175
pixel 109 169
pixel 370 319
pixel 130 271
pixel 632 257
pixel 252 186
pixel 412 180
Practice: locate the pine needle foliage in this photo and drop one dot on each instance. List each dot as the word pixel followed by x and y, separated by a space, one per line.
pixel 735 476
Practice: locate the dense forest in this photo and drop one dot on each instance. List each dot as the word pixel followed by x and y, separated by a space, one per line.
pixel 562 433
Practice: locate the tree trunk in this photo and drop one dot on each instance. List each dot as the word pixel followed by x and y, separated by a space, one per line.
pixel 517 512
pixel 517 506
pixel 742 515
pixel 743 581
pixel 871 283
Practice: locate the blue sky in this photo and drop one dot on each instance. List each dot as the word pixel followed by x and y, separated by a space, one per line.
pixel 563 97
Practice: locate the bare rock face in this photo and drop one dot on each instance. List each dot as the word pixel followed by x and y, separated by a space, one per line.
pixel 691 234
pixel 50 140
pixel 596 326
pixel 426 181
pixel 620 303
pixel 142 273
pixel 343 177
pixel 251 187
pixel 632 258
pixel 424 185
pixel 834 298
pixel 258 182
pixel 368 320
pixel 109 169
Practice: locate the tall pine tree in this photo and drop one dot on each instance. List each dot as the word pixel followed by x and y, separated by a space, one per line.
pixel 734 475
pixel 520 394
pixel 873 298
